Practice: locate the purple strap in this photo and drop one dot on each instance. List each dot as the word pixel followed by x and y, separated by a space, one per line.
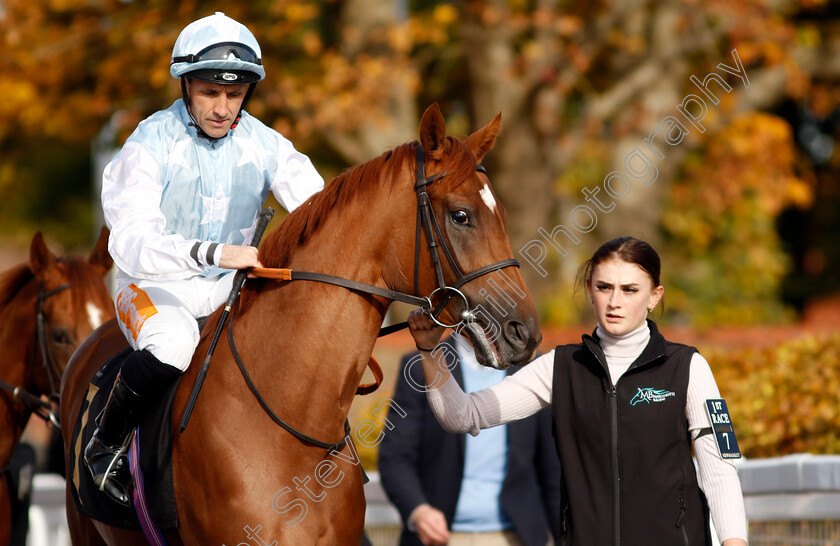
pixel 153 535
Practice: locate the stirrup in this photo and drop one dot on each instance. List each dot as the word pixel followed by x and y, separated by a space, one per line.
pixel 123 448
pixel 108 478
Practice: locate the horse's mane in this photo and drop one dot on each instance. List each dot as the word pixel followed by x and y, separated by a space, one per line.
pixel 12 281
pixel 359 182
pixel 78 275
pixel 84 278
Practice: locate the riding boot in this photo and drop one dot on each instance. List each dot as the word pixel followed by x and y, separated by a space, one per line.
pixel 138 386
pixel 105 454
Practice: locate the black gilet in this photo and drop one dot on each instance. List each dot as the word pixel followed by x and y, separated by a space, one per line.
pixel 625 450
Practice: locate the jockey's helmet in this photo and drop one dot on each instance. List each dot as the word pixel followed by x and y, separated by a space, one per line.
pixel 217 49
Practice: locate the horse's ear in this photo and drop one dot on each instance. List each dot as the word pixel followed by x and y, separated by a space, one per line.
pixel 433 132
pixel 40 257
pixel 99 256
pixel 481 141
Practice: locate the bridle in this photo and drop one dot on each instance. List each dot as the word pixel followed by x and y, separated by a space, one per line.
pixel 427 221
pixel 33 403
pixel 426 218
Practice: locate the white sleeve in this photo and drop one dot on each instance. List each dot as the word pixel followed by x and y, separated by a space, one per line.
pixel 718 477
pixel 518 396
pixel 296 179
pixel 132 185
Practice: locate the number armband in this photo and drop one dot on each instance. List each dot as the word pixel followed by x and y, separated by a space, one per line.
pixel 723 429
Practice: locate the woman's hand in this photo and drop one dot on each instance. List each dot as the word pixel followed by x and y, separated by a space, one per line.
pixel 425 332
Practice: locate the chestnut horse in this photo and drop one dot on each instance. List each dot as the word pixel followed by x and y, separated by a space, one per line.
pixel 47 307
pixel 239 477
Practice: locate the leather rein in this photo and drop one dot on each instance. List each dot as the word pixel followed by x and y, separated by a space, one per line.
pixel 33 403
pixel 426 221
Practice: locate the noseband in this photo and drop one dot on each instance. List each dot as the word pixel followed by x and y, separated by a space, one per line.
pixel 34 403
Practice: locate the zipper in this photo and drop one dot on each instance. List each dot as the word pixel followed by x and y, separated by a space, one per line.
pixel 613 452
pixel 681 522
pixel 564 525
pixel 616 473
pixel 614 442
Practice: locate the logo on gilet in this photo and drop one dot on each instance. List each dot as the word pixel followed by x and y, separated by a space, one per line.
pixel 649 394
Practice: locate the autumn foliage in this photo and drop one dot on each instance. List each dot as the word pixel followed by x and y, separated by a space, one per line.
pixel 783 398
pixel 579 84
pixel 726 262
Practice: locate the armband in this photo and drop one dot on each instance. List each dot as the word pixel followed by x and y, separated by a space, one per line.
pixel 205 253
pixel 194 252
pixel 722 427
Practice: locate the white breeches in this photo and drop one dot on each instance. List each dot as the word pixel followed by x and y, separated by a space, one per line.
pixel 160 316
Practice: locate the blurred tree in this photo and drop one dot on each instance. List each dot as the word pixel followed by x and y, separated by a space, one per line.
pixel 580 84
pixel 726 262
pixel 810 234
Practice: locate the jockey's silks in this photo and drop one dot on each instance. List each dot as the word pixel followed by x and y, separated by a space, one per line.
pixel 168 189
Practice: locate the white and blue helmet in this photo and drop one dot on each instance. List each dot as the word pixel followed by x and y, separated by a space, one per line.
pixel 217 49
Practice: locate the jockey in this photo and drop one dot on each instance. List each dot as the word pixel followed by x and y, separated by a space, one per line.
pixel 182 199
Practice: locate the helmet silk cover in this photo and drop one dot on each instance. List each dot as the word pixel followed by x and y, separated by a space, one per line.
pixel 217 49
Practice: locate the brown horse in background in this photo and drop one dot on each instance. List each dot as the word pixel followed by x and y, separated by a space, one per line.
pixel 70 295
pixel 241 478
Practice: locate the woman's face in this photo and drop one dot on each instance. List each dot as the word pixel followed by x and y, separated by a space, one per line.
pixel 622 295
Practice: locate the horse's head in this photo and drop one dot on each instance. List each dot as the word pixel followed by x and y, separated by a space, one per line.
pixel 488 299
pixel 72 300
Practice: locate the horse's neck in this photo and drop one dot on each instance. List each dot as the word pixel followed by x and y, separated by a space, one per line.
pixel 17 336
pixel 315 339
pixel 17 340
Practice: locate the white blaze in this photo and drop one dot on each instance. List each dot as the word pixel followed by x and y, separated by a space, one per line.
pixel 487 197
pixel 94 315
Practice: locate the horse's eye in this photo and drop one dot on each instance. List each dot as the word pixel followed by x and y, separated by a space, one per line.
pixel 460 217
pixel 60 337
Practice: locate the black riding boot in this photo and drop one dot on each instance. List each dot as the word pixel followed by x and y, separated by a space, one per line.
pixel 106 453
pixel 140 381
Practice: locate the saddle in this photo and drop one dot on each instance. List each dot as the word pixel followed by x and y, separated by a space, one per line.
pixel 155 456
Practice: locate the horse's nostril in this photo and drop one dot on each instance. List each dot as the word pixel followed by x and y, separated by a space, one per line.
pixel 516 334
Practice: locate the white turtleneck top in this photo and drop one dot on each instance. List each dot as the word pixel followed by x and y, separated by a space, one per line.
pixel 529 391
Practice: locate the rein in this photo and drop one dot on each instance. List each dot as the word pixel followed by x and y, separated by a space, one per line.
pixel 337 446
pixel 33 403
pixel 425 220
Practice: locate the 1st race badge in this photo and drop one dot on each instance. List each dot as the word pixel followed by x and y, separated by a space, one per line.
pixel 722 427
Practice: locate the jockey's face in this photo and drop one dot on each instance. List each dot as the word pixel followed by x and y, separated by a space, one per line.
pixel 622 293
pixel 215 106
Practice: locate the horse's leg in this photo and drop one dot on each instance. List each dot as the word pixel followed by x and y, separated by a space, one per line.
pixel 5 511
pixel 82 531
pixel 115 536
